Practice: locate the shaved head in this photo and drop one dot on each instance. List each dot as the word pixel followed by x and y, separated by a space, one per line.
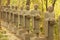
pixel 27 7
pixel 50 8
pixel 36 6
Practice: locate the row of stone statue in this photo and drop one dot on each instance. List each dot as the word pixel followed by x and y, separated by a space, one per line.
pixel 18 21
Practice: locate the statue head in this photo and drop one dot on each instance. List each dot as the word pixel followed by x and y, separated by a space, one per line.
pixel 36 6
pixel 27 7
pixel 50 9
pixel 21 8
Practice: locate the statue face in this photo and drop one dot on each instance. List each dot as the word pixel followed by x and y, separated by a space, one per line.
pixel 36 7
pixel 27 7
pixel 50 9
pixel 21 8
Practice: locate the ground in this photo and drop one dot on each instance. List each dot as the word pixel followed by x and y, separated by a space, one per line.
pixel 6 35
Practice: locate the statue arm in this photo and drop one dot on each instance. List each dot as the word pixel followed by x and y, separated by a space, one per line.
pixel 53 16
pixel 46 16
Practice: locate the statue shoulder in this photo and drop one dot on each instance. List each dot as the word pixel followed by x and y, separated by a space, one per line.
pixel 39 11
pixel 32 10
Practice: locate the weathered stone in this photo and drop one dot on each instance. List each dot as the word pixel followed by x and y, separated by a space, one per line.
pixel 46 28
pixel 50 17
pixel 26 19
pixel 50 32
pixel 20 17
pixel 36 20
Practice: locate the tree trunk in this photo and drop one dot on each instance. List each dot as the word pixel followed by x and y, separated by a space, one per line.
pixel 46 4
pixel 53 4
pixel 8 2
pixel 28 2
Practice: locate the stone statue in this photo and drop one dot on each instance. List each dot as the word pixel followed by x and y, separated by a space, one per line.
pixel 2 10
pixel 27 18
pixel 7 14
pixel 50 17
pixel 16 16
pixel 15 13
pixel 11 19
pixel 20 17
pixel 3 15
pixel 12 16
pixel 36 18
pixel 21 12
